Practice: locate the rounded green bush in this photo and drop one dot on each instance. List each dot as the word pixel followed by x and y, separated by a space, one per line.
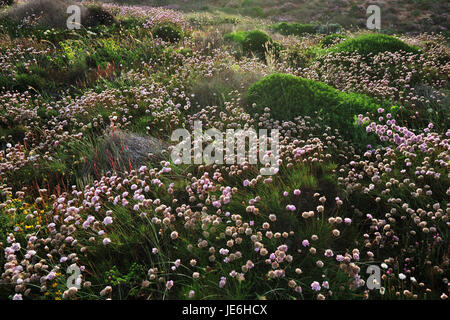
pixel 238 36
pixel 98 16
pixel 168 32
pixel 255 42
pixel 332 39
pixel 296 29
pixel 329 28
pixel 289 96
pixel 374 44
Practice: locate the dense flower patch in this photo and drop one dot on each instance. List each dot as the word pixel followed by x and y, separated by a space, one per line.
pixel 85 214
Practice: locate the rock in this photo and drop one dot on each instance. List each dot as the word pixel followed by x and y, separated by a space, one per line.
pixel 133 149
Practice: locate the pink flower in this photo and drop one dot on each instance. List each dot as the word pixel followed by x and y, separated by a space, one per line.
pixel 291 207
pixel 222 282
pixel 315 286
pixel 107 220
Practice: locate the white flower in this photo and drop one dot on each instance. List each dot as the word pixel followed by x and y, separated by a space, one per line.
pixel 402 276
pixel 384 265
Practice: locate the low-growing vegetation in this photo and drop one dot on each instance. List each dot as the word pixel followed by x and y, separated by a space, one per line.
pixel 93 205
pixel 286 97
pixel 296 29
pixel 373 44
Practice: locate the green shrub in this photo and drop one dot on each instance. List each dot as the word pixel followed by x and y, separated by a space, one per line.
pixel 289 96
pixel 300 57
pixel 329 28
pixel 256 42
pixel 216 90
pixel 107 50
pixel 331 39
pixel 168 32
pixel 73 50
pixel 374 44
pixel 26 81
pixel 296 29
pixel 96 15
pixel 238 36
pixel 275 48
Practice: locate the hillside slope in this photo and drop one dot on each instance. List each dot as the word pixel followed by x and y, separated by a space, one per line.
pixel 402 15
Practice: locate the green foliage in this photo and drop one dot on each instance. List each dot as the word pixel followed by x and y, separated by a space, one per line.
pixel 289 96
pixel 219 88
pixel 76 56
pixel 332 39
pixel 98 16
pixel 168 32
pixel 105 54
pixel 127 284
pixel 23 82
pixel 45 114
pixel 73 50
pixel 329 28
pixel 255 42
pixel 296 29
pixel 238 36
pixel 374 43
pixel 300 57
pixel 108 51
